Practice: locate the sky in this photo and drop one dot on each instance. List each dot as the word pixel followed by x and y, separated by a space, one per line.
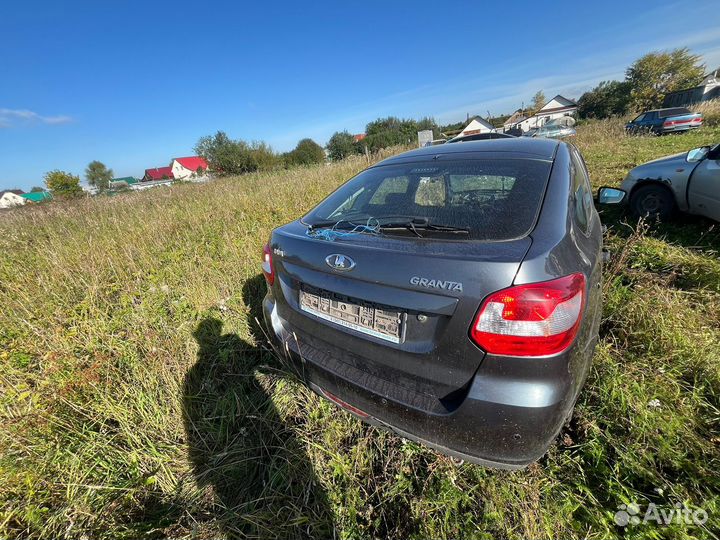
pixel 134 84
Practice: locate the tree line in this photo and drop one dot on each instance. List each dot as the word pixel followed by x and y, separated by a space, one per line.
pixel 645 85
pixel 235 156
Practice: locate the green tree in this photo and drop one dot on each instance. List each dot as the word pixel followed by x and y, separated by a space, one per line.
pixel 390 131
pixel 37 189
pixel 98 175
pixel 227 156
pixel 499 121
pixel 608 98
pixel 538 100
pixel 63 184
pixel 306 152
pixel 428 123
pixel 340 145
pixel 262 157
pixel 209 146
pixel 656 74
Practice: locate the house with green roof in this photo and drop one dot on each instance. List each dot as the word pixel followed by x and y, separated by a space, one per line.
pixel 37 196
pixel 124 182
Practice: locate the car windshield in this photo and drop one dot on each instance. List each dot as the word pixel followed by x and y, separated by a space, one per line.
pixel 495 199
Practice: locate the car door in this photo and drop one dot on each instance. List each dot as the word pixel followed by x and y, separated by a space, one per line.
pixel 704 188
pixel 648 122
pixel 587 237
pixel 636 123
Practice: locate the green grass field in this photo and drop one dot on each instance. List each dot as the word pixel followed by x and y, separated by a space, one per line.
pixel 138 399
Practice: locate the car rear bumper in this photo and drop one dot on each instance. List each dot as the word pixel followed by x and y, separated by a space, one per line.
pixel 677 129
pixel 498 421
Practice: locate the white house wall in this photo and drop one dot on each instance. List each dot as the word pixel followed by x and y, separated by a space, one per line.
pixel 179 171
pixel 476 127
pixel 542 119
pixel 10 200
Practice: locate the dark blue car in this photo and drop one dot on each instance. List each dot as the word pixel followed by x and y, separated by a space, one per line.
pixel 661 121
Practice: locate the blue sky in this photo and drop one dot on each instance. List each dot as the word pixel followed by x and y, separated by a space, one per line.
pixel 137 83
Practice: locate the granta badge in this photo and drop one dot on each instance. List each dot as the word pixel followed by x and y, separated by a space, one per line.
pixel 436 284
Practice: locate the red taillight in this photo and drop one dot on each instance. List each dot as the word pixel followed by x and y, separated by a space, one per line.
pixel 267 264
pixel 537 319
pixel 668 123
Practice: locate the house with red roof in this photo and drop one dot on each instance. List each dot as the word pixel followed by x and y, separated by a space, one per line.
pixel 185 167
pixel 158 173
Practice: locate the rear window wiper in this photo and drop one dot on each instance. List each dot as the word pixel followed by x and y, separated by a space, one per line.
pixel 423 224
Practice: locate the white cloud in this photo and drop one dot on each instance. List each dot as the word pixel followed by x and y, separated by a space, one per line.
pixel 16 117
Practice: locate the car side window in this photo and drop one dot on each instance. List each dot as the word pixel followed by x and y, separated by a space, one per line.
pixel 582 193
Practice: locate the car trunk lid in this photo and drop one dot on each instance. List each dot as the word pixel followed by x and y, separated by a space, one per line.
pixel 436 288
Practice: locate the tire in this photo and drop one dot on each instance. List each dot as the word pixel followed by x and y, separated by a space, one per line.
pixel 653 201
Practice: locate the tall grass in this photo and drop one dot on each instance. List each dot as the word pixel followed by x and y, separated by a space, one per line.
pixel 137 398
pixel 710 110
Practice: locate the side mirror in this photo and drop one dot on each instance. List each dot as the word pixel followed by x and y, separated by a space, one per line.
pixel 697 154
pixel 608 195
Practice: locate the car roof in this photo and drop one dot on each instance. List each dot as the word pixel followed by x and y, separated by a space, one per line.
pixel 480 137
pixel 665 109
pixel 516 147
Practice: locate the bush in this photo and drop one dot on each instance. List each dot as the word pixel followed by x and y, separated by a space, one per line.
pixel 307 152
pixel 63 185
pixel 340 145
pixel 227 156
pixel 392 131
pixel 609 98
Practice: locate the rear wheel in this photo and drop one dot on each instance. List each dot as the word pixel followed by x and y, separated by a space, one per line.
pixel 653 201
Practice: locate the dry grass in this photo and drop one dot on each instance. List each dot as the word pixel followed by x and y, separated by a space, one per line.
pixel 710 110
pixel 137 398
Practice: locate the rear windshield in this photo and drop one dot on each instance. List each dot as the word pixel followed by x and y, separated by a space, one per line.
pixel 677 111
pixel 495 199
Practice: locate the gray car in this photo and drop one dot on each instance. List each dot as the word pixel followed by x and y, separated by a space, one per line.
pixel 555 131
pixel 687 182
pixel 450 294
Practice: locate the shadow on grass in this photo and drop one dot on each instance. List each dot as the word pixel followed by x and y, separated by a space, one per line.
pixel 262 480
pixel 683 230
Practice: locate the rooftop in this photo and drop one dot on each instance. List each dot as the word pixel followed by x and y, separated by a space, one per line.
pixel 37 196
pixel 192 162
